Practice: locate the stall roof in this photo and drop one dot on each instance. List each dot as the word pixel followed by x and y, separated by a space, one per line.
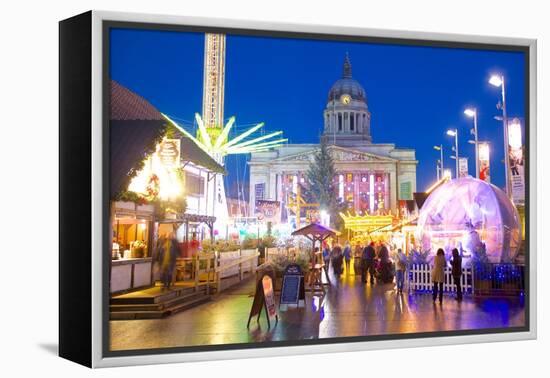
pixel 316 230
pixel 136 127
pixel 193 153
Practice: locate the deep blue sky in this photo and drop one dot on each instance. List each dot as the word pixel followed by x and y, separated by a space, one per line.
pixel 414 93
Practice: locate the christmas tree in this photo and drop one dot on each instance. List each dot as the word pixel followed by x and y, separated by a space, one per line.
pixel 321 186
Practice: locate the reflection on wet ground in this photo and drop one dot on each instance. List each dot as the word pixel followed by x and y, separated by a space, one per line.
pixel 349 308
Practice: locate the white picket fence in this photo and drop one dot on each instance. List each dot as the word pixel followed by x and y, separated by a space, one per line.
pixel 420 279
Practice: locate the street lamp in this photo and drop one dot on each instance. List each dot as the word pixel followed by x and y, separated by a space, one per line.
pixel 498 81
pixel 454 133
pixel 472 113
pixel 440 165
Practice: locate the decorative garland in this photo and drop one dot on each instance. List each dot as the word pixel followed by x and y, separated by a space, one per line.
pixel 176 206
pixel 152 188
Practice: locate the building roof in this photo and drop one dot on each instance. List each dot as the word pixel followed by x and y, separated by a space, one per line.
pixel 193 153
pixel 136 127
pixel 128 106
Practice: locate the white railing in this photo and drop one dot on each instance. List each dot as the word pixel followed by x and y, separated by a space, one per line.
pixel 208 269
pixel 420 279
pixel 245 262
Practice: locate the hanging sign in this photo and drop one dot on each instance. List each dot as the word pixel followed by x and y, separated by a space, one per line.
pixel 405 192
pixel 515 161
pixel 484 165
pixel 169 152
pixel 268 211
pixel 462 167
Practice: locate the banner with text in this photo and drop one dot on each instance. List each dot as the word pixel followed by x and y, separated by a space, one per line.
pixel 515 160
pixel 484 162
pixel 462 167
pixel 268 211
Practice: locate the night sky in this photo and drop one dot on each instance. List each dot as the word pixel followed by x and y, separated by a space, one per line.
pixel 414 94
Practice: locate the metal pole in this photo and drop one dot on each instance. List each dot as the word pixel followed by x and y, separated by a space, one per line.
pixel 505 125
pixel 437 170
pixel 441 150
pixel 476 143
pixel 456 151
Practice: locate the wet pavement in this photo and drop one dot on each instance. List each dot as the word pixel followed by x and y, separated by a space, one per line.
pixel 348 309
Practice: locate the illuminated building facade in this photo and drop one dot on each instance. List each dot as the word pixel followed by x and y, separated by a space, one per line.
pixel 371 177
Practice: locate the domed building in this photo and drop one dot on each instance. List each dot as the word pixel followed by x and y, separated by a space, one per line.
pixel 347 116
pixel 371 177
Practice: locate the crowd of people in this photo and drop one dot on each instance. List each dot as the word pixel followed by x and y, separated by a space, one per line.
pixel 371 261
pixel 374 264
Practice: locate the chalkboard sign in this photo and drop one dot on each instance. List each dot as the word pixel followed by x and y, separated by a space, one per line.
pixel 264 298
pixel 292 290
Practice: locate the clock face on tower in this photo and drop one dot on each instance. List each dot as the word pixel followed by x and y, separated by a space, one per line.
pixel 345 99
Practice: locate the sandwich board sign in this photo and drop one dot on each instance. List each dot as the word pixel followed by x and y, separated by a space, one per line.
pixel 292 290
pixel 264 298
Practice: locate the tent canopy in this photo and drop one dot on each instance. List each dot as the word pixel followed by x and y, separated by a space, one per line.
pixel 316 231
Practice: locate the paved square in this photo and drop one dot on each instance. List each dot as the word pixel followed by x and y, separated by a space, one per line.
pixel 348 309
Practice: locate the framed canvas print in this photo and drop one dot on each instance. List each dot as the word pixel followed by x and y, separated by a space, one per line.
pixel 234 189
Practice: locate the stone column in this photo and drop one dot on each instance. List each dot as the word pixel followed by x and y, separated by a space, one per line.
pixel 356 197
pixel 271 190
pixel 392 190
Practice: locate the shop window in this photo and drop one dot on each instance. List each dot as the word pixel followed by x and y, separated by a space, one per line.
pixel 131 238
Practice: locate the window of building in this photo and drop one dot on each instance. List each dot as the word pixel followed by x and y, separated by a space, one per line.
pixel 259 191
pixel 194 184
pixel 339 121
pixel 352 122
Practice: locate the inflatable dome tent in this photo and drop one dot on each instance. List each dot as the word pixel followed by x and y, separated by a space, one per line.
pixel 473 216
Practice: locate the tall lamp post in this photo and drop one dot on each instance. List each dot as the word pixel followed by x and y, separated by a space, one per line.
pixel 440 165
pixel 454 133
pixel 472 113
pixel 498 81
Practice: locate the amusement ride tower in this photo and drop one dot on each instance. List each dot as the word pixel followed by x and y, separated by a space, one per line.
pixel 212 136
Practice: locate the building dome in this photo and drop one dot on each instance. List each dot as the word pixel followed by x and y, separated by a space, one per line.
pixel 346 115
pixel 347 85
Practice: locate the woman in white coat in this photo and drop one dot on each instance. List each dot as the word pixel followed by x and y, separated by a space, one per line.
pixel 438 274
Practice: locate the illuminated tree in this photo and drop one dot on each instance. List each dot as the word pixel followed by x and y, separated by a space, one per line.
pixel 321 186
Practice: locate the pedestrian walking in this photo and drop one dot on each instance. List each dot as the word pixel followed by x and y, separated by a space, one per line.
pixel 400 270
pixel 357 259
pixel 347 257
pixel 337 260
pixel 438 274
pixel 326 255
pixel 456 270
pixel 166 257
pixel 367 263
